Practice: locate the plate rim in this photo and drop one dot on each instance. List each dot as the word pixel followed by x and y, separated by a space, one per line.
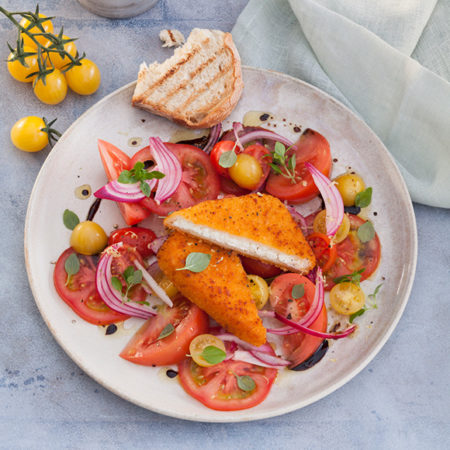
pixel 253 415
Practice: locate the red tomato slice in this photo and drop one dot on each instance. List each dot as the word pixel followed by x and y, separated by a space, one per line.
pixel 80 293
pixel 354 255
pixel 200 181
pixel 146 349
pixel 228 186
pixel 137 237
pixel 324 251
pixel 297 347
pixel 256 267
pixel 311 147
pixel 216 386
pixel 114 162
pixel 217 151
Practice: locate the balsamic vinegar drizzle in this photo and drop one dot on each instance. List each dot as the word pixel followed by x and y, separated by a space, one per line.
pixel 93 209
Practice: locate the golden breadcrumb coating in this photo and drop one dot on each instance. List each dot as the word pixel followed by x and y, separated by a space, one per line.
pixel 221 290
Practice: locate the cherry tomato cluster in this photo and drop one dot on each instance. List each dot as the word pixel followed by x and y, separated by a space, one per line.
pixel 50 62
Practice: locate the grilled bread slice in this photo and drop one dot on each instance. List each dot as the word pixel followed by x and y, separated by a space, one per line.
pixel 255 225
pixel 198 86
pixel 221 290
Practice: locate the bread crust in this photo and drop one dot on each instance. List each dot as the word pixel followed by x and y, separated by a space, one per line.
pixel 206 116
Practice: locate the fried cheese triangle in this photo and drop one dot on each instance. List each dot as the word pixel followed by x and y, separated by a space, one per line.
pixel 221 290
pixel 254 225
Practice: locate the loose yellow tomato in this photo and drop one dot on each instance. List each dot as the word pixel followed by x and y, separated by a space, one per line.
pixel 84 79
pixel 347 298
pixel 319 226
pixel 88 238
pixel 246 171
pixel 56 59
pixel 349 185
pixel 167 285
pixel 259 289
pixel 27 134
pixel 20 72
pixel 54 90
pixel 199 343
pixel 48 28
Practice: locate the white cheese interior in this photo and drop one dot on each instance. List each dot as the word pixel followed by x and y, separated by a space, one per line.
pixel 242 245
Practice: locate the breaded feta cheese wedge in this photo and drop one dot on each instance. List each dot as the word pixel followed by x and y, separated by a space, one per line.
pixel 221 290
pixel 254 225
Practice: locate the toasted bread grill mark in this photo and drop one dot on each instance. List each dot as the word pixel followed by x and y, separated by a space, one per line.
pixel 198 93
pixel 192 75
pixel 173 70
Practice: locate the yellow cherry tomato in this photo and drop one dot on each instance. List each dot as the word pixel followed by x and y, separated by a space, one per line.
pixel 347 298
pixel 167 285
pixel 84 79
pixel 56 59
pixel 246 171
pixel 349 185
pixel 20 72
pixel 198 345
pixel 48 28
pixel 54 90
pixel 259 289
pixel 27 134
pixel 319 226
pixel 88 238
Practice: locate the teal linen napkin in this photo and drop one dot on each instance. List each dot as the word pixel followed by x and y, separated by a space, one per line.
pixel 365 53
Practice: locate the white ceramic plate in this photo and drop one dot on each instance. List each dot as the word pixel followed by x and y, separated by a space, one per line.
pixel 75 161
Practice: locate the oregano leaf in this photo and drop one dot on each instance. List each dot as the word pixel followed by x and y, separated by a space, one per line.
pixel 227 159
pixel 116 284
pixel 364 198
pixel 167 331
pixel 71 266
pixel 298 291
pixel 245 383
pixel 196 262
pixel 70 219
pixel 213 355
pixel 366 232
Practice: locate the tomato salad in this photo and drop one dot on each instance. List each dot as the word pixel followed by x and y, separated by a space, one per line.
pixel 107 279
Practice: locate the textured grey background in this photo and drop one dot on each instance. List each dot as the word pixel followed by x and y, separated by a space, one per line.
pixel 401 400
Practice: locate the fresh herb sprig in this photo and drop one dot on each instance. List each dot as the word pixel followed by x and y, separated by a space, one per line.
pixel 282 164
pixel 132 278
pixel 196 262
pixel 354 277
pixel 56 43
pixel 371 305
pixel 138 174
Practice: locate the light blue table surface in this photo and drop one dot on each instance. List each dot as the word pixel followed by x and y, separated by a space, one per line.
pixel 401 400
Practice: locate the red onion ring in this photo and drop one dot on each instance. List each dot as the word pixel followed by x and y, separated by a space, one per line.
pixel 169 165
pixel 110 295
pixel 214 136
pixel 332 198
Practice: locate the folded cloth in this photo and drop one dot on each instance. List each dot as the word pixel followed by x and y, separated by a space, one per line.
pixel 360 53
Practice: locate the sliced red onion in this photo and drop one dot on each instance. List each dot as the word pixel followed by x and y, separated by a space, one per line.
pixel 154 286
pixel 169 165
pixel 265 348
pixel 332 198
pixel 237 128
pixel 246 356
pixel 299 219
pixel 125 193
pixel 265 134
pixel 230 348
pixel 214 136
pixel 307 330
pixel 270 360
pixel 110 295
pixel 157 243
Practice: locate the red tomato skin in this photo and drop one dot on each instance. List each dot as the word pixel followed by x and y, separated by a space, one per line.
pixel 256 267
pixel 76 299
pixel 206 394
pixel 144 348
pixel 228 186
pixel 114 162
pixel 352 255
pixel 137 237
pixel 217 151
pixel 323 248
pixel 297 347
pixel 196 163
pixel 311 147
